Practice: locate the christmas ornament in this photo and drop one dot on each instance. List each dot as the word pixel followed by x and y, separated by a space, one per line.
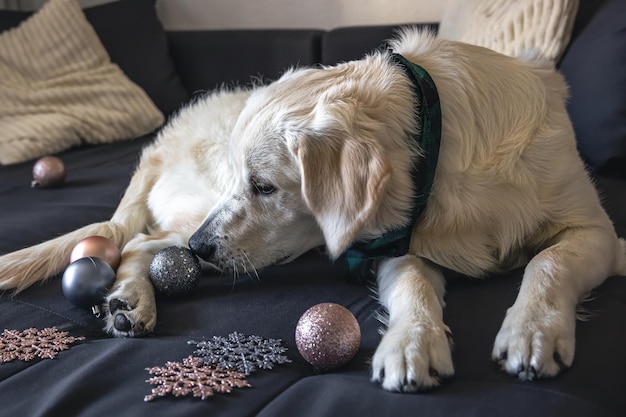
pixel 32 343
pixel 193 377
pixel 175 271
pixel 247 354
pixel 86 281
pixel 328 335
pixel 98 247
pixel 48 171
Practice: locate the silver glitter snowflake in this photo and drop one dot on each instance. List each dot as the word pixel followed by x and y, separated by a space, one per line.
pixel 244 353
pixel 32 343
pixel 193 377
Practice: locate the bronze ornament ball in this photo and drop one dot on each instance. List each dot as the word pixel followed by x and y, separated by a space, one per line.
pixel 99 247
pixel 328 336
pixel 175 271
pixel 48 171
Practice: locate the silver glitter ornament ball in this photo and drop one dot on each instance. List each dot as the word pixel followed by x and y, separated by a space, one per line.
pixel 175 271
pixel 328 335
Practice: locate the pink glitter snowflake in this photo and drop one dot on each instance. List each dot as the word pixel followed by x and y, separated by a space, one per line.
pixel 192 377
pixel 31 343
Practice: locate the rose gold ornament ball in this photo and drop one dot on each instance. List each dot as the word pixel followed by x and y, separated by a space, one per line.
pixel 48 171
pixel 328 335
pixel 97 247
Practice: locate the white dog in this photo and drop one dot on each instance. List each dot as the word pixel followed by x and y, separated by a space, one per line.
pixel 325 156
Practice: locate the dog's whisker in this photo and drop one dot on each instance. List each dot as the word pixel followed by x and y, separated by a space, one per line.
pixel 244 264
pixel 216 267
pixel 249 262
pixel 235 274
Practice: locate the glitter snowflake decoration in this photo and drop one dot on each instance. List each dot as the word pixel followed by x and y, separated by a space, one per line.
pixel 244 353
pixel 31 343
pixel 193 377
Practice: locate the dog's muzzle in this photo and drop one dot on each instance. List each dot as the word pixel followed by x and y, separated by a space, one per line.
pixel 203 244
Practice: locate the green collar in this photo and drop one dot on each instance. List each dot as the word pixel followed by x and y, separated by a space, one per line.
pixel 362 256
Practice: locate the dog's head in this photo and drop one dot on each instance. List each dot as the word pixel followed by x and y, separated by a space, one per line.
pixel 308 168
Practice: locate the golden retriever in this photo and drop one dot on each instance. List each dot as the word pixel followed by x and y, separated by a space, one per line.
pixel 324 156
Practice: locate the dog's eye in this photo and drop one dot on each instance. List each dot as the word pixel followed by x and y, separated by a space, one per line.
pixel 263 188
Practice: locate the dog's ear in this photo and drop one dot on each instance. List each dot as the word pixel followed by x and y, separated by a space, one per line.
pixel 343 179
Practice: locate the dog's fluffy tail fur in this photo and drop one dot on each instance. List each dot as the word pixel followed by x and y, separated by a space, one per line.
pixel 23 268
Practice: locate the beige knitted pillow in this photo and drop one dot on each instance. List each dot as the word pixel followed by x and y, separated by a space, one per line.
pixel 511 27
pixel 58 88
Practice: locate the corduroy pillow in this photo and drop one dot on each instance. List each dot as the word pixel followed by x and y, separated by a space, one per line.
pixel 58 88
pixel 133 36
pixel 511 27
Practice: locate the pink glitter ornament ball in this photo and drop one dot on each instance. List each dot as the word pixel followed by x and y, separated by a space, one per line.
pixel 328 335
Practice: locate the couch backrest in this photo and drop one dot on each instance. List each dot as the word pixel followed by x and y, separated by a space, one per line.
pixel 210 59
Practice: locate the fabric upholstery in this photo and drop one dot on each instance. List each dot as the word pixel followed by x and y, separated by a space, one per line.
pixel 224 58
pixel 138 44
pixel 345 44
pixel 595 69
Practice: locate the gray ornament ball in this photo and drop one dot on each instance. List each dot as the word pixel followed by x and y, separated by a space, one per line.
pixel 175 271
pixel 86 281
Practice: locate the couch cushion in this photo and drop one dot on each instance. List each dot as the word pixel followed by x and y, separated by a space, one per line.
pixel 509 27
pixel 133 36
pixel 58 88
pixel 131 32
pixel 347 44
pixel 212 58
pixel 594 67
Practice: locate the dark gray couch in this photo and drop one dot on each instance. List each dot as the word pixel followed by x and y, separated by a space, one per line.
pixel 105 376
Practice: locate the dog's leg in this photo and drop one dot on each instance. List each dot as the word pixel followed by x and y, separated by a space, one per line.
pixel 415 352
pixel 537 336
pixel 131 303
pixel 20 269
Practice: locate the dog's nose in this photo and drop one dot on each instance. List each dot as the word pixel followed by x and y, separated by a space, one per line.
pixel 202 247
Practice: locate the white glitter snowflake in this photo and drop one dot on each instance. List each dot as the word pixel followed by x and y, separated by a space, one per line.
pixel 244 353
pixel 31 343
pixel 193 377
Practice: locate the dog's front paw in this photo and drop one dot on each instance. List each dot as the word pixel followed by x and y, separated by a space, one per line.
pixel 411 359
pixel 535 342
pixel 130 312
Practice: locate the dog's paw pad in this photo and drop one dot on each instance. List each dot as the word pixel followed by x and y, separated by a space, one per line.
pixel 131 308
pixel 122 323
pixel 116 304
pixel 120 318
